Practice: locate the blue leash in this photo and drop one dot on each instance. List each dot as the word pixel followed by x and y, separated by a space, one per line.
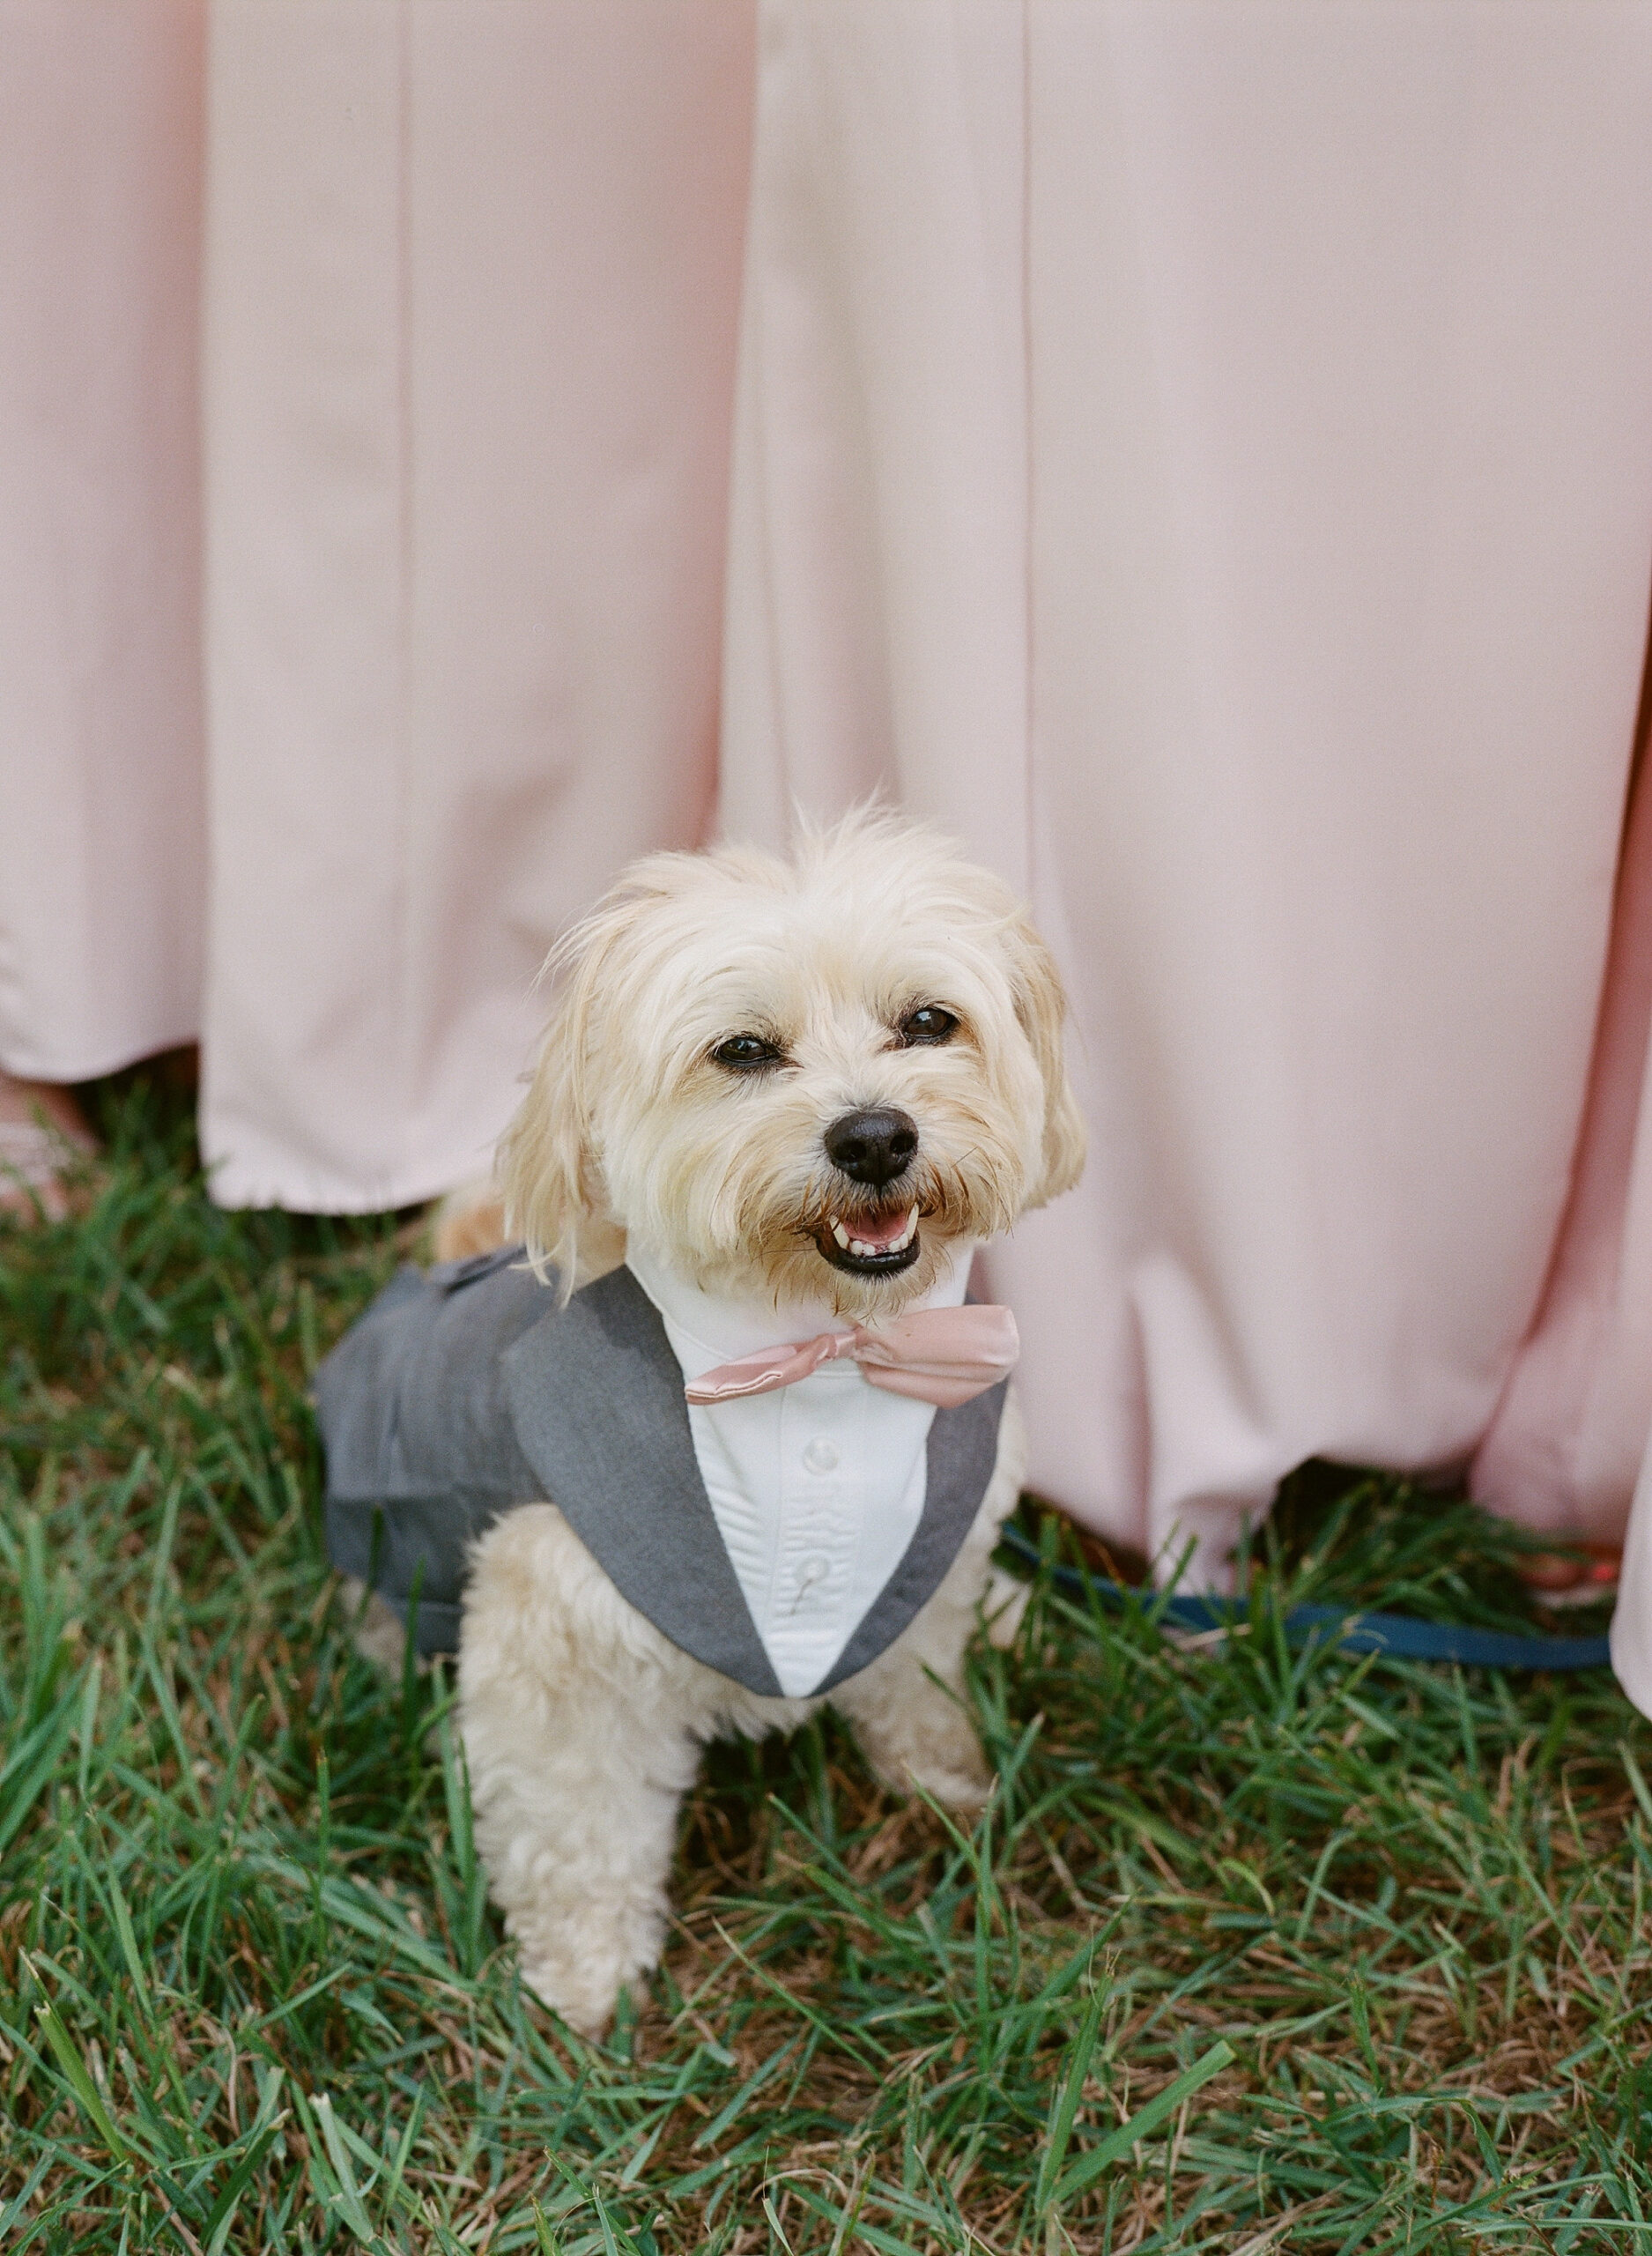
pixel 1399 1635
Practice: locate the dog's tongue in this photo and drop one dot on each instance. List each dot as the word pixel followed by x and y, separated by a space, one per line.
pixel 878 1231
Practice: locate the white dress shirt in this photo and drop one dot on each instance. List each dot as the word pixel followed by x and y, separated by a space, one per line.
pixel 816 1488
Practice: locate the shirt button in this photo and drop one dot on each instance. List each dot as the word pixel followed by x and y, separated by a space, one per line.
pixel 821 1455
pixel 810 1571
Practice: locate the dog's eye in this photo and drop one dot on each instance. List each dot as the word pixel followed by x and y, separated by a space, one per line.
pixel 741 1052
pixel 929 1024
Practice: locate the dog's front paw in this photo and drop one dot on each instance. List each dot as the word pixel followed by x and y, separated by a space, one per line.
pixel 925 1744
pixel 586 2004
pixel 1002 1608
pixel 579 1966
pixel 962 1783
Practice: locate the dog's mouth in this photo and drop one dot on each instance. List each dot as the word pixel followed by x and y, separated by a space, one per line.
pixel 870 1245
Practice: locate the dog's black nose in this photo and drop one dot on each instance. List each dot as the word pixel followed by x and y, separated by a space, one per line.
pixel 872 1147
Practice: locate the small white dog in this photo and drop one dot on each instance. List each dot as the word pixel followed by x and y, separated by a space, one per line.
pixel 761 1461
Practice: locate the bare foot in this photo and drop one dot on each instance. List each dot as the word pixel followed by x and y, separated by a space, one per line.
pixel 40 1126
pixel 1582 1576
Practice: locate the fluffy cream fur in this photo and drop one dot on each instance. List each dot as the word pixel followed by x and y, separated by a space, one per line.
pixel 581 1723
pixel 630 1125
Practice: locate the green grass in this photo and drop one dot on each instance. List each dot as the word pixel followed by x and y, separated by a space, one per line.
pixel 1252 1951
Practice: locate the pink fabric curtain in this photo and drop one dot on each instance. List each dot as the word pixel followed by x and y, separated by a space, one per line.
pixel 1199 454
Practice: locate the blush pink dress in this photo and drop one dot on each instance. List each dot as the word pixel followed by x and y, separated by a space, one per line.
pixel 472 282
pixel 1204 455
pixel 102 815
pixel 1199 454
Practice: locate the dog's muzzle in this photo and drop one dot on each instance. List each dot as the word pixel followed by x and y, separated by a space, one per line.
pixel 873 1148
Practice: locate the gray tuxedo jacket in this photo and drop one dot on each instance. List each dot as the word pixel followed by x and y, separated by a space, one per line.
pixel 465 1391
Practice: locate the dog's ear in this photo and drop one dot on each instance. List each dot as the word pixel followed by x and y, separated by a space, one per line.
pixel 547 1166
pixel 1040 1005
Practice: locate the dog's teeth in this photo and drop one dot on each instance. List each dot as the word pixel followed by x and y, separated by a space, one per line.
pixel 900 1244
pixel 840 1234
pixel 857 1245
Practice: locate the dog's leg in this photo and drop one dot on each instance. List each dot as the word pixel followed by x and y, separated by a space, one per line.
pixel 578 1758
pixel 908 1709
pixel 576 1833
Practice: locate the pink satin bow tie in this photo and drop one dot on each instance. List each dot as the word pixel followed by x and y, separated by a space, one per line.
pixel 944 1355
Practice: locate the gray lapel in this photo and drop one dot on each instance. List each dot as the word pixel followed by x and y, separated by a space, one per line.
pixel 597 1398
